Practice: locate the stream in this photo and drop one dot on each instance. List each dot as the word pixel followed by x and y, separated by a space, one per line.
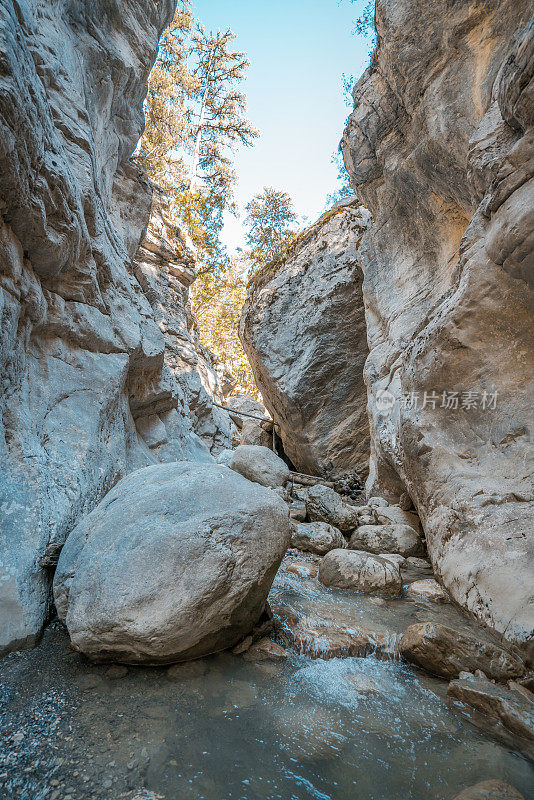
pixel 301 727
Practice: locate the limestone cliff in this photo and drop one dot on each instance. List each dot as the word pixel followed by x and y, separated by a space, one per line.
pixel 439 147
pixel 303 329
pixel 96 379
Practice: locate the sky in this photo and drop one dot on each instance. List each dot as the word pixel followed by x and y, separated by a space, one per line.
pixel 298 51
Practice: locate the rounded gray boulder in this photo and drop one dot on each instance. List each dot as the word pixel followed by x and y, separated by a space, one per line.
pixel 174 563
pixel 259 464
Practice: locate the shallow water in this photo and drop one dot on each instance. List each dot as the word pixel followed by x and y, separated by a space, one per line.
pixel 357 728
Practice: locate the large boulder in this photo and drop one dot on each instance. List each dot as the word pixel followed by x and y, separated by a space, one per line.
pixel 439 148
pixel 446 652
pixel 174 563
pixel 316 537
pixel 361 572
pixel 386 539
pixel 259 464
pixel 323 504
pixel 303 329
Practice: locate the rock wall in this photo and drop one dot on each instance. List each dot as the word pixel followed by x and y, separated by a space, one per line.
pixel 303 329
pixel 439 147
pixel 96 380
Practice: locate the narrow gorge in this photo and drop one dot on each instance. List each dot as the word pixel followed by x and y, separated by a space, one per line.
pixel 328 592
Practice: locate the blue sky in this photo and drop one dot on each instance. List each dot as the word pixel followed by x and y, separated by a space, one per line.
pixel 298 50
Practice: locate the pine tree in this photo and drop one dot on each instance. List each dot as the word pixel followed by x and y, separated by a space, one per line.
pixel 171 86
pixel 217 120
pixel 270 216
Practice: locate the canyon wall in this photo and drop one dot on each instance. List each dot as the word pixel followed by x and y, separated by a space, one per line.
pixel 439 148
pixel 303 329
pixel 97 378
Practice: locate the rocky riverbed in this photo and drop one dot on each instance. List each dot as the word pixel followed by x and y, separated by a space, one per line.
pixel 300 722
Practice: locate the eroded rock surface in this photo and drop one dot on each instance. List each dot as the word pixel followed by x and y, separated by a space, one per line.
pixel 174 563
pixel 96 380
pixel 439 148
pixel 512 706
pixel 447 652
pixel 303 329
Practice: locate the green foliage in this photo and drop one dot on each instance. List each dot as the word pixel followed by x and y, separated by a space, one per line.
pixel 194 118
pixel 218 298
pixel 217 116
pixel 270 216
pixel 364 25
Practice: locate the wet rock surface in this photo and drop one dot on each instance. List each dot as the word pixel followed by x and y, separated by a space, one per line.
pixel 360 572
pixel 490 790
pixel 306 723
pixel 175 563
pixel 511 705
pixel 446 652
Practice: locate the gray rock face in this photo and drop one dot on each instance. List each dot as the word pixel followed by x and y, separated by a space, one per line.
pixel 446 652
pixel 303 330
pixel 174 563
pixel 399 539
pixel 316 537
pixel 361 572
pixel 259 464
pixel 244 403
pixel 91 386
pixel 439 147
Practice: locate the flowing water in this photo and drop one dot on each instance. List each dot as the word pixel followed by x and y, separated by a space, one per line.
pixel 364 728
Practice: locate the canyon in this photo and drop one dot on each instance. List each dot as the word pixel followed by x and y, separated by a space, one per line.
pixel 439 151
pixel 198 595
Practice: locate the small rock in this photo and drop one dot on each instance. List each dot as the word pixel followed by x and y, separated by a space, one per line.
pixel 393 515
pixel 400 539
pixel 395 558
pixel 317 537
pixel 428 590
pixel 405 502
pixel 418 563
pixel 265 650
pixel 88 682
pixel 302 570
pixel 320 639
pixel 242 646
pixel 490 790
pixel 116 671
pixel 377 502
pixel 504 704
pixel 446 652
pixel 259 465
pixel 325 505
pixel 361 572
pixel 297 511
